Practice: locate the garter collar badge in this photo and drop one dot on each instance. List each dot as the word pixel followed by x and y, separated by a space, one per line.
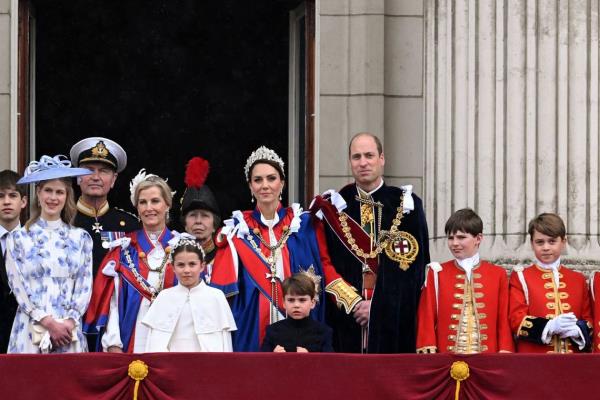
pixel 403 248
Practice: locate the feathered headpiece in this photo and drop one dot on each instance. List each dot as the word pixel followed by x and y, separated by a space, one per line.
pixel 197 195
pixel 139 178
pixel 262 153
pixel 196 172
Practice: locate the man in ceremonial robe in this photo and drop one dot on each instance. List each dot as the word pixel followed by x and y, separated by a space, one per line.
pixel 381 246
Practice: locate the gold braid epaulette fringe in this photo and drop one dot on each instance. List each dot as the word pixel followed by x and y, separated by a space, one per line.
pixel 345 295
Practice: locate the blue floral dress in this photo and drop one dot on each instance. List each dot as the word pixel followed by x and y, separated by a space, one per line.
pixel 49 270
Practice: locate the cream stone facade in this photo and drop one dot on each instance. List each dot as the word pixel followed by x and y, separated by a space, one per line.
pixel 487 104
pixel 8 57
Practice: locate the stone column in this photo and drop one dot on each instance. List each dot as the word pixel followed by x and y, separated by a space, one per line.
pixel 370 75
pixel 511 121
pixel 6 61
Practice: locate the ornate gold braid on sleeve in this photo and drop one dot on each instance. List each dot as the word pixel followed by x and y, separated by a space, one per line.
pixel 525 325
pixel 345 295
pixel 427 350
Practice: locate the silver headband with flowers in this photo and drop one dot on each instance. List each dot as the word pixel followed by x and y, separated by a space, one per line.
pixel 182 239
pixel 262 153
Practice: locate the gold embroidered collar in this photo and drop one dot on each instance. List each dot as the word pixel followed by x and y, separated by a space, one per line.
pixel 90 211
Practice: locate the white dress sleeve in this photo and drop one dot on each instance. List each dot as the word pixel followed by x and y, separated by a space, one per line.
pixel 82 289
pixel 16 281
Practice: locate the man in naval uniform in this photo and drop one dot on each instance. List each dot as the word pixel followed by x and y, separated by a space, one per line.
pixel 106 159
pixel 378 242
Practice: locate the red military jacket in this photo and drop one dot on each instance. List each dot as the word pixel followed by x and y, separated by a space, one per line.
pixel 595 291
pixel 534 300
pixel 441 307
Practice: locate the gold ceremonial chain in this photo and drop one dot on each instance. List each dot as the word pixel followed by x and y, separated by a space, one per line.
pixel 271 261
pixel 140 279
pixel 282 239
pixel 384 236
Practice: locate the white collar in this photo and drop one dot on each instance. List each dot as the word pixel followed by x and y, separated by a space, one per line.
pixel 193 290
pixel 372 191
pixel 270 222
pixel 3 230
pixel 467 264
pixel 52 224
pixel 552 267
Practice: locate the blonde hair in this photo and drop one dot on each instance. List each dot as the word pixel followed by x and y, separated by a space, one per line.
pixel 155 181
pixel 161 184
pixel 67 214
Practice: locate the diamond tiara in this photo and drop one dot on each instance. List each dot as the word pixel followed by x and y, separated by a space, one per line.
pixel 262 153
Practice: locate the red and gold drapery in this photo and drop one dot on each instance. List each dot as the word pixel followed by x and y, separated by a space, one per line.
pixel 298 376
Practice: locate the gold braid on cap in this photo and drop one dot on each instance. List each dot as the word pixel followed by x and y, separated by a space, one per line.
pixel 262 153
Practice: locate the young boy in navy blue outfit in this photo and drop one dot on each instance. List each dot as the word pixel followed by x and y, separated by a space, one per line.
pixel 298 332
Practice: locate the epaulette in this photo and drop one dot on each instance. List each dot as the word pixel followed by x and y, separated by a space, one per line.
pixel 128 212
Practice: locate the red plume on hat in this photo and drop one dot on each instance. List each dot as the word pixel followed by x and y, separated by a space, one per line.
pixel 196 172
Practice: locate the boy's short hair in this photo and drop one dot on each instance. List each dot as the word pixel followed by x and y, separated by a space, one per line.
pixel 299 284
pixel 8 180
pixel 465 220
pixel 549 224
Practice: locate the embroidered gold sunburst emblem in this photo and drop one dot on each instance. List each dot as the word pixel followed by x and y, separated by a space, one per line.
pixel 100 150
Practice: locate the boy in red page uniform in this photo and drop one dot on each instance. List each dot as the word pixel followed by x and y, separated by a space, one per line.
pixel 464 302
pixel 550 310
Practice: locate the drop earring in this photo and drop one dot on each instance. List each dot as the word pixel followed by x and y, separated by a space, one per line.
pixel 251 198
pixel 279 196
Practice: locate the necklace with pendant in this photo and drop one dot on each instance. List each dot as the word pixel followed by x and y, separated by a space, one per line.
pixel 271 260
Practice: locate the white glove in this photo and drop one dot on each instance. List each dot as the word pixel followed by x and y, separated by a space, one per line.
pixel 559 325
pixel 562 323
pixel 573 332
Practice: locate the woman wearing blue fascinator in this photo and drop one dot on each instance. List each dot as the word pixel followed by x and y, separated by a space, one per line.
pixel 49 264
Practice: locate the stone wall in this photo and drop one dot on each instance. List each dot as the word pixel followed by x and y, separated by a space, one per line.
pixel 371 79
pixel 511 121
pixel 5 83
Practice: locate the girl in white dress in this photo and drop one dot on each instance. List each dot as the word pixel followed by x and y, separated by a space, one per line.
pixel 191 316
pixel 49 265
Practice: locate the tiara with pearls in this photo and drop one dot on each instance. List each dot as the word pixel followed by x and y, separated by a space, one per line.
pixel 262 153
